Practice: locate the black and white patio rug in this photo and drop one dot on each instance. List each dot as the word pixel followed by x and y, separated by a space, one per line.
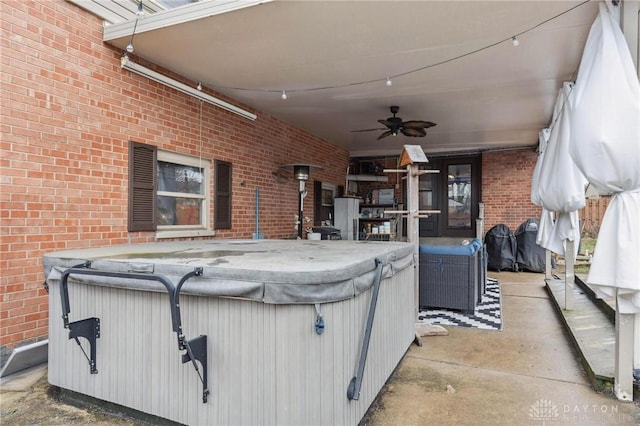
pixel 487 315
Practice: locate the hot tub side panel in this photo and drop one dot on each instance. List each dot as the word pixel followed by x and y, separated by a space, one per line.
pixel 266 363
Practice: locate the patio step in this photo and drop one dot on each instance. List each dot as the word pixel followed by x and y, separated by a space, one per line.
pixel 591 327
pixel 607 306
pixel 591 330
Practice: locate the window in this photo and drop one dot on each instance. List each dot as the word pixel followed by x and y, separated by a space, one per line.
pixel 182 192
pixel 169 192
pixel 459 196
pixel 323 196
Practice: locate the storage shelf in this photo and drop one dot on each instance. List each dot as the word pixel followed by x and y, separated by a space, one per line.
pixel 368 178
pixel 378 237
pixel 364 206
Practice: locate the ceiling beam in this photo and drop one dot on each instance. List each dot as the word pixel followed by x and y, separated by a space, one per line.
pixel 114 11
pixel 179 15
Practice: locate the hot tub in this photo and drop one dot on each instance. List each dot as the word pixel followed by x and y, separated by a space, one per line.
pixel 232 331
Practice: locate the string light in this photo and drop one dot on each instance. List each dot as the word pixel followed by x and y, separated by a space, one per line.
pixel 139 15
pixel 140 11
pixel 199 86
pixel 512 39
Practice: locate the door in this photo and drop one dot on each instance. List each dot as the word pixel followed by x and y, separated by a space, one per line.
pixel 428 194
pixel 459 197
pixel 455 191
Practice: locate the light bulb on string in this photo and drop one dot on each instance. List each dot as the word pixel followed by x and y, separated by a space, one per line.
pixel 388 81
pixel 139 15
pixel 199 86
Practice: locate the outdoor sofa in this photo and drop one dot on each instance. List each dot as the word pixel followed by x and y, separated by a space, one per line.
pixel 452 277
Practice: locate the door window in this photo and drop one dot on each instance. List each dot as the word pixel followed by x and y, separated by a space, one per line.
pixel 459 196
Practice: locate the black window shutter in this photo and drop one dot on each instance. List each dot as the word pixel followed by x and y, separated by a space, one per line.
pixel 222 198
pixel 142 187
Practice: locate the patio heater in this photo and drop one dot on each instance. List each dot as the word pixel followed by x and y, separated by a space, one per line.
pixel 301 174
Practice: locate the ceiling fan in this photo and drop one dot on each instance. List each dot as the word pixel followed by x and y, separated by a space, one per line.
pixel 414 128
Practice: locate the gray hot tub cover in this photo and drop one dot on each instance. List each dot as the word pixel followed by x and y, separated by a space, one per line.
pixel 268 271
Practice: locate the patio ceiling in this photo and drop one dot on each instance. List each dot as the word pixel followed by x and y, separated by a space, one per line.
pixel 333 59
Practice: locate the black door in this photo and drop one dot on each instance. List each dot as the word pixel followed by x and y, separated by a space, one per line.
pixel 455 191
pixel 428 196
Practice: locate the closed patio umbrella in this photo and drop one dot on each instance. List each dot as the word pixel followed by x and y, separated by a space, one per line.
pixel 560 185
pixel 605 145
pixel 546 219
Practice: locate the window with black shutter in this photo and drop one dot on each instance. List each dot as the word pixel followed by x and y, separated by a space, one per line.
pixel 142 187
pixel 222 198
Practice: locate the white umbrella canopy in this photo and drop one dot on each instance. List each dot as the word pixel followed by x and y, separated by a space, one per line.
pixel 605 145
pixel 546 218
pixel 559 185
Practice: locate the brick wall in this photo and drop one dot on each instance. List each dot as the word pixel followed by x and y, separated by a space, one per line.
pixel 68 112
pixel 506 187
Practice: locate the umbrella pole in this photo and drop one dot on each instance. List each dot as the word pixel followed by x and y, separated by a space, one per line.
pixel 547 264
pixel 569 275
pixel 623 381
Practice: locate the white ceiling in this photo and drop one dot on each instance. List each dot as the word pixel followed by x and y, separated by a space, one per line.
pixel 498 97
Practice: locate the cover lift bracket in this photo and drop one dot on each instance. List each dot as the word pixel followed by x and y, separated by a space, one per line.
pixel 89 328
pixel 353 390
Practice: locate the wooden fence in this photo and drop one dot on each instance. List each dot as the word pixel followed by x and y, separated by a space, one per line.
pixel 591 215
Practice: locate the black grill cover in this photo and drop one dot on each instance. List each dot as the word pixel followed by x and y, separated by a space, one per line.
pixel 530 256
pixel 501 248
pixel 327 233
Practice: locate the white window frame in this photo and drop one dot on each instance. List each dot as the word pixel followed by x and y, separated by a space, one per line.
pixel 204 228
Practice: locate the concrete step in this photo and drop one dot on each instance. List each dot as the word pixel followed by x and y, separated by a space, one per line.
pixel 590 325
pixel 591 331
pixel 607 306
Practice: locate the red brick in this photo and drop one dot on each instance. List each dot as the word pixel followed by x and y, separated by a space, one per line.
pixel 69 112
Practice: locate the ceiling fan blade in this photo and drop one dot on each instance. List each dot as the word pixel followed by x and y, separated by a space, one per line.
pixel 385 134
pixel 417 124
pixel 368 130
pixel 417 133
pixel 387 123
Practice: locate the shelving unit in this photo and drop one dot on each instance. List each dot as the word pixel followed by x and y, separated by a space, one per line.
pixel 367 178
pixel 377 191
pixel 372 222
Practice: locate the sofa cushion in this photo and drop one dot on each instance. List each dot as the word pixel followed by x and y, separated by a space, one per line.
pixel 461 250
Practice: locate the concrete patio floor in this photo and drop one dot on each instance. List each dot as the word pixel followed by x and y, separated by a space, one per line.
pixel 527 373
